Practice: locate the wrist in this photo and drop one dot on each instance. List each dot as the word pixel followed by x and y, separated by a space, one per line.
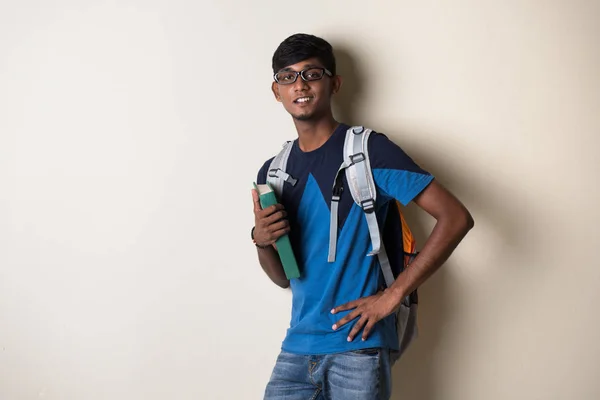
pixel 397 291
pixel 395 294
pixel 260 246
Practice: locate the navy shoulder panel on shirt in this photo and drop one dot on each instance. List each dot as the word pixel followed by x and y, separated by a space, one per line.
pixel 386 154
pixel 261 177
pixel 395 173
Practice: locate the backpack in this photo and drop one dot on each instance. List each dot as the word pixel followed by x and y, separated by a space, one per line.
pixel 356 165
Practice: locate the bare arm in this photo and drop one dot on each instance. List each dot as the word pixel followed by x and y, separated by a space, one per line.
pixel 269 225
pixel 271 264
pixel 453 223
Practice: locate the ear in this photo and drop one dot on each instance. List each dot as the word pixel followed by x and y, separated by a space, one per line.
pixel 275 89
pixel 336 84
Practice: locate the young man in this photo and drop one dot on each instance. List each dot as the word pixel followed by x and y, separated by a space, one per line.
pixel 342 326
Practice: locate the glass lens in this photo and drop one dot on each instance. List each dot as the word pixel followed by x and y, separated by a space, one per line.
pixel 313 74
pixel 286 77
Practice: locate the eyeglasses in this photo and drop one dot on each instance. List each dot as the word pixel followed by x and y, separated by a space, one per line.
pixel 309 74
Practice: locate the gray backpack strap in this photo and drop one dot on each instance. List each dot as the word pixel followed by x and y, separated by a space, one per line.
pixel 276 176
pixel 335 200
pixel 360 179
pixel 386 267
pixel 362 187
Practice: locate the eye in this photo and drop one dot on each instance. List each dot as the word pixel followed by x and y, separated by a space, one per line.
pixel 313 74
pixel 286 76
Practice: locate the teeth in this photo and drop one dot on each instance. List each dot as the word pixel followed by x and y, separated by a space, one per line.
pixel 303 99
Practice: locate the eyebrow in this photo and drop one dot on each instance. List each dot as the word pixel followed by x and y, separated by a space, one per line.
pixel 304 67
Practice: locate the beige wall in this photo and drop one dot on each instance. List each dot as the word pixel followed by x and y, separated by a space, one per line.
pixel 126 269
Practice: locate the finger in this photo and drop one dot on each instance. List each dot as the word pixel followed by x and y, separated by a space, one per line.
pixel 357 327
pixel 281 231
pixel 274 232
pixel 256 201
pixel 270 210
pixel 368 328
pixel 346 319
pixel 275 217
pixel 273 237
pixel 346 307
pixel 283 224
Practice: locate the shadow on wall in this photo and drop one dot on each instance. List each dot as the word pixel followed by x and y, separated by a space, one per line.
pixel 414 376
pixel 347 101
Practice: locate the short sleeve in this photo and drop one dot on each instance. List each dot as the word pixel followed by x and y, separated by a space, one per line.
pixel 261 178
pixel 395 173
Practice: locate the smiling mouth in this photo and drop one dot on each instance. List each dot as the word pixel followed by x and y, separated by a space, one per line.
pixel 303 100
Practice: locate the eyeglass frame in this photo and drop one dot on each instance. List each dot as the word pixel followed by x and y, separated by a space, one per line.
pixel 301 74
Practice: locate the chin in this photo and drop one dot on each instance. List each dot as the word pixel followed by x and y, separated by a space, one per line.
pixel 306 115
pixel 303 117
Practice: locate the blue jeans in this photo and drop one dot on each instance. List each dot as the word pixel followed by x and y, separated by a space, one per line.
pixel 354 375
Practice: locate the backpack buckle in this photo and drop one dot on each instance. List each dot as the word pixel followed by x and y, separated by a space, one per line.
pixel 356 158
pixel 337 192
pixel 368 205
pixel 279 173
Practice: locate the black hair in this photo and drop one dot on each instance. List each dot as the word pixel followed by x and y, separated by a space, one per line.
pixel 300 47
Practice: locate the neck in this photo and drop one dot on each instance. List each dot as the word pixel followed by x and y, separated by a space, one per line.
pixel 313 134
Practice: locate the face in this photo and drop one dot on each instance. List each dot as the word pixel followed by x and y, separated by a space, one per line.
pixel 304 100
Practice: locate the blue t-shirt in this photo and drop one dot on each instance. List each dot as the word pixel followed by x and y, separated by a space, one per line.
pixel 323 285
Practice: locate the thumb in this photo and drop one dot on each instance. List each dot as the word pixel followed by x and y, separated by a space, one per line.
pixel 256 200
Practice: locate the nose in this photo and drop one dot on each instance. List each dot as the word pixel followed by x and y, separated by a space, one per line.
pixel 300 84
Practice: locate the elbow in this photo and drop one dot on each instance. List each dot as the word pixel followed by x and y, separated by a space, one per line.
pixel 458 222
pixel 466 221
pixel 283 284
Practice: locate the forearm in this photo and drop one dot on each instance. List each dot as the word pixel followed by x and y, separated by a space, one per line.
pixel 271 264
pixel 445 237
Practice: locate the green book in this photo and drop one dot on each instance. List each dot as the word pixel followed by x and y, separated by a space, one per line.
pixel 284 246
